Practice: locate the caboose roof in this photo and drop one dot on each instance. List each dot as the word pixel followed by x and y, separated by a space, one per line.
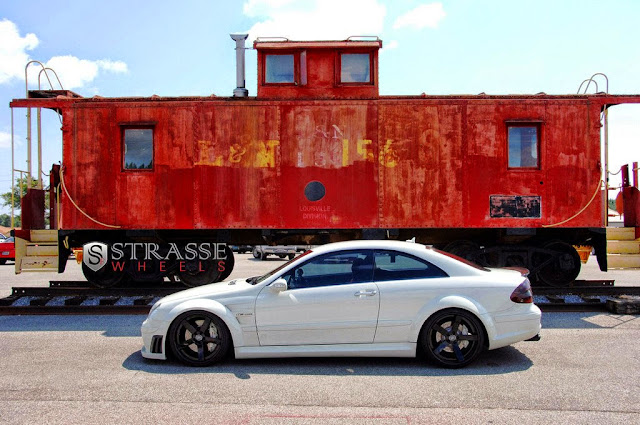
pixel 285 44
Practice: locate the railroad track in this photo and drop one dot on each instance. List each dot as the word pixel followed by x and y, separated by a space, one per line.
pixel 77 297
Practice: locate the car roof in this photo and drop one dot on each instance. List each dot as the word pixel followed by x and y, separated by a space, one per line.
pixel 448 263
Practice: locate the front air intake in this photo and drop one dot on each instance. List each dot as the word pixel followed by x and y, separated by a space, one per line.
pixel 156 344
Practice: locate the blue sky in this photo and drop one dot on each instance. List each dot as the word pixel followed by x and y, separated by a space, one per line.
pixel 169 48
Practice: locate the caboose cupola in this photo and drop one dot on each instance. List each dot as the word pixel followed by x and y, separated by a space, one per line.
pixel 318 69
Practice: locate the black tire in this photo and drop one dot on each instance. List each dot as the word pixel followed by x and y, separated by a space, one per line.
pixel 199 338
pixel 292 256
pixel 256 253
pixel 452 338
pixel 3 261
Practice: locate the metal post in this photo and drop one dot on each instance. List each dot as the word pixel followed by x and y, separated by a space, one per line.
pixel 13 174
pixel 625 175
pixel 39 124
pixel 29 144
pixel 240 90
pixel 606 163
pixel 635 174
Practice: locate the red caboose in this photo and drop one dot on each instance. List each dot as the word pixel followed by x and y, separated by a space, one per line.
pixel 319 156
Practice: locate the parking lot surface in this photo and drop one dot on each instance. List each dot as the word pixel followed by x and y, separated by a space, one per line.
pixel 88 369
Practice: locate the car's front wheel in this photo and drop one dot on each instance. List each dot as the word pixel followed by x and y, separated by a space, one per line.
pixel 452 338
pixel 199 338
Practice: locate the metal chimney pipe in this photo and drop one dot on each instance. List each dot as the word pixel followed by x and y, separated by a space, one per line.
pixel 240 91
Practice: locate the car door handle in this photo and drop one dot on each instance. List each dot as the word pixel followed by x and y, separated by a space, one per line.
pixel 366 293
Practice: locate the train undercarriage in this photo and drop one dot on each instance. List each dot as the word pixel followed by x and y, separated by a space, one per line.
pixel 152 255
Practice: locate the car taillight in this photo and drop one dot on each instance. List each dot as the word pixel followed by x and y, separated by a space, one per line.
pixel 522 294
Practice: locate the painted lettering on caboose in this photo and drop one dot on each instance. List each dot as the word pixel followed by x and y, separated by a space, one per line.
pixel 256 154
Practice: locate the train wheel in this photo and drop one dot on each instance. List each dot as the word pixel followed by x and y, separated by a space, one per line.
pixel 198 273
pixel 106 277
pixel 229 263
pixel 557 264
pixel 464 249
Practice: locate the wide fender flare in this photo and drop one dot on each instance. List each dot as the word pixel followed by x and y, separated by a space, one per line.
pixel 213 307
pixel 453 301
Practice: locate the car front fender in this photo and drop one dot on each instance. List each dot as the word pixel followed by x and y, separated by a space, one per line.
pixel 452 301
pixel 214 307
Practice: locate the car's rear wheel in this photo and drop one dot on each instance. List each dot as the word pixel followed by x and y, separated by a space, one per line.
pixel 452 338
pixel 199 338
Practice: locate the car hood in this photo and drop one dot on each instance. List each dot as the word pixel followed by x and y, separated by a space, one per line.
pixel 213 290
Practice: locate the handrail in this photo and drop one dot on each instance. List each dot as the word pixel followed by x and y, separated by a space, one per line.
pixel 64 187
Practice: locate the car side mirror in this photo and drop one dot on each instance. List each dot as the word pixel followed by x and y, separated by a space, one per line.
pixel 280 285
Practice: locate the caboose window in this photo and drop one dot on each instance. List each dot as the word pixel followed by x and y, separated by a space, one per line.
pixel 279 69
pixel 138 148
pixel 355 68
pixel 523 145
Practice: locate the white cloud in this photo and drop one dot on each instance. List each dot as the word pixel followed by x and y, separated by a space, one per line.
pixel 317 20
pixel 426 15
pixel 13 51
pixel 113 66
pixel 5 140
pixel 72 71
pixel 263 7
pixel 393 44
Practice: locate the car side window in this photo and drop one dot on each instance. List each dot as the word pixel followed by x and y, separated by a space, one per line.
pixel 339 268
pixel 393 265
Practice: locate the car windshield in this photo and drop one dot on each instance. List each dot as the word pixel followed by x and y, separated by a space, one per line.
pixel 258 279
pixel 462 260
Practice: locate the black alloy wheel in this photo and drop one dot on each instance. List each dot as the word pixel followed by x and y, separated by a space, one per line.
pixel 452 338
pixel 199 338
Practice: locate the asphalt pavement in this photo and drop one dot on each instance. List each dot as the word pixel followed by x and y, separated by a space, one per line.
pixel 88 369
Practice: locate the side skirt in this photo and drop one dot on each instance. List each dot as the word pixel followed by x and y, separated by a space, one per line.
pixel 337 350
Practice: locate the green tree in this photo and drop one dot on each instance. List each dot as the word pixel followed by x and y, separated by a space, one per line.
pixel 20 182
pixel 5 220
pixel 6 201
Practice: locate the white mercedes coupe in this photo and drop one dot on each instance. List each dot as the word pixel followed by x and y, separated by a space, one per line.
pixel 358 298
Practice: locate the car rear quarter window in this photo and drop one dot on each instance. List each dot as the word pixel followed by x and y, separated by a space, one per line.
pixel 393 265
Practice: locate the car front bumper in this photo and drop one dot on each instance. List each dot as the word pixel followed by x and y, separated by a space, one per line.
pixel 153 339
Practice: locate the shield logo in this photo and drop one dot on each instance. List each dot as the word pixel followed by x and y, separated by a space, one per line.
pixel 95 255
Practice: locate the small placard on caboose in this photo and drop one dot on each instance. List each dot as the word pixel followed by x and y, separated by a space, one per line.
pixel 509 206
